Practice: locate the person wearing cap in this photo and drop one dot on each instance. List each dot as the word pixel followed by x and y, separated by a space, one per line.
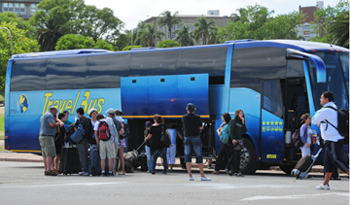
pixel 193 124
pixel 148 126
pixel 93 114
pixel 119 129
pixel 48 128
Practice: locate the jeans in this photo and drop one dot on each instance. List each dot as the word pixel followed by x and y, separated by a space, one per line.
pixel 83 155
pixel 236 160
pixel 193 144
pixel 149 158
pixel 156 153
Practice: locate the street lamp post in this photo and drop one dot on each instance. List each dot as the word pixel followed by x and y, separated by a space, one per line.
pixel 10 38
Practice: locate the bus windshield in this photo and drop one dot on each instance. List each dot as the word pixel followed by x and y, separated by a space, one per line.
pixel 337 80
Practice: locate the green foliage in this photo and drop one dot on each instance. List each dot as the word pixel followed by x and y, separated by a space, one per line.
pixel 166 19
pixel 122 41
pixel 77 41
pixel 255 22
pixel 128 48
pixel 21 44
pixel 149 35
pixel 168 44
pixel 74 41
pixel 183 35
pixel 56 18
pixel 10 17
pixel 340 29
pixel 204 30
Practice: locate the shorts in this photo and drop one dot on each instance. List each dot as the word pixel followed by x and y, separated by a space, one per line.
pixel 333 158
pixel 193 144
pixel 47 144
pixel 122 143
pixel 107 149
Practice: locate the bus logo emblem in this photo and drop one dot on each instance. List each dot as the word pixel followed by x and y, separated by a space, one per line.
pixel 22 103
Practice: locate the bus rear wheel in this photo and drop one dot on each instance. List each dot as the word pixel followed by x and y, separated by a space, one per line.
pixel 248 158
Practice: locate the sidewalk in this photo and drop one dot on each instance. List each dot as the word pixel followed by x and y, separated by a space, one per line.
pixel 26 157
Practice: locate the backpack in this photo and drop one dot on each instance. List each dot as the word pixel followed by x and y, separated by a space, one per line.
pixel 343 121
pixel 224 135
pixel 86 122
pixel 296 139
pixel 104 132
pixel 78 135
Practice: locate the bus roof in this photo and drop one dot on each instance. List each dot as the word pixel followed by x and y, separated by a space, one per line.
pixel 306 46
pixel 56 53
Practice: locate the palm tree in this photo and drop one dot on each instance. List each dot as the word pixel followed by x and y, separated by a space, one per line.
pixel 48 35
pixel 204 29
pixel 149 35
pixel 166 19
pixel 183 35
pixel 340 29
pixel 135 34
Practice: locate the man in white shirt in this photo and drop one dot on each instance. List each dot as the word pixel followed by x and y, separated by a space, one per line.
pixel 332 139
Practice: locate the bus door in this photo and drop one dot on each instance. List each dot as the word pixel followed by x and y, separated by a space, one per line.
pixel 271 137
pixel 168 96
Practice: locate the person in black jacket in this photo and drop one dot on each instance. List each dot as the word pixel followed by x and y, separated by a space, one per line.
pixel 83 144
pixel 59 141
pixel 236 129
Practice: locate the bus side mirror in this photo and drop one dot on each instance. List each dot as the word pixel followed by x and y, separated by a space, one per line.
pixel 321 74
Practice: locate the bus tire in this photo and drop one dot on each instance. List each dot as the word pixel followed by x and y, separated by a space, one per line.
pixel 248 158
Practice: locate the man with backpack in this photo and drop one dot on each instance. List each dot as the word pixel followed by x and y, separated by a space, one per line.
pixel 82 145
pixel 327 119
pixel 105 133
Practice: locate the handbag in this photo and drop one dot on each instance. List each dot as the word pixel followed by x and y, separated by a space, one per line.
pixel 164 138
pixel 126 132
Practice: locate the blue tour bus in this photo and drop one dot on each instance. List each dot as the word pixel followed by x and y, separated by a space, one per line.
pixel 272 81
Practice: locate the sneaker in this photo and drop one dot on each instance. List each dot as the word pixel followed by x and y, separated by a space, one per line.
pixel 51 173
pixel 46 173
pixel 239 174
pixel 230 173
pixel 211 167
pixel 84 174
pixel 153 172
pixel 111 174
pixel 149 171
pixel 191 179
pixel 323 187
pixel 205 179
pixel 226 170
pixel 103 174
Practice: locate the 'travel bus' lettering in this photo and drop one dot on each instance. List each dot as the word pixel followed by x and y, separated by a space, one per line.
pixel 70 105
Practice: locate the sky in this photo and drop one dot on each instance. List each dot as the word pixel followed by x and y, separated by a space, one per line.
pixel 133 11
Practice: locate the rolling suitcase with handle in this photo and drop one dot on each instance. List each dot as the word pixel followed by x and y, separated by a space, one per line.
pixel 304 165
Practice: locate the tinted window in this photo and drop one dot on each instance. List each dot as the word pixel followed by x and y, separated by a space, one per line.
pixel 28 75
pixel 205 60
pixel 66 73
pixel 105 71
pixel 272 97
pixel 295 68
pixel 252 64
pixel 153 63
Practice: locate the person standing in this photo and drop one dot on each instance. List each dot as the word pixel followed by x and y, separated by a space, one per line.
pixel 83 144
pixel 122 142
pixel 226 148
pixel 67 122
pixel 305 134
pixel 157 147
pixel 148 126
pixel 237 128
pixel 333 141
pixel 93 114
pixel 48 128
pixel 192 124
pixel 59 141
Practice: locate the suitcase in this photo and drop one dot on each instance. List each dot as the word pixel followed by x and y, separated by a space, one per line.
pixel 304 165
pixel 95 162
pixel 143 162
pixel 69 161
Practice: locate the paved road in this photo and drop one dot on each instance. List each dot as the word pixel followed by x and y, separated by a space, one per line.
pixel 25 183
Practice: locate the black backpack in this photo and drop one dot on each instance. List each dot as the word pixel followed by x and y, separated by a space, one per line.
pixel 343 122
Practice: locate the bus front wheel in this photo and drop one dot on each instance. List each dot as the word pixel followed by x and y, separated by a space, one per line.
pixel 248 158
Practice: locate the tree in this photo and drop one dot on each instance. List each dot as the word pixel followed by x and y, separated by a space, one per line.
pixel 149 35
pixel 135 33
pixel 21 44
pixel 77 41
pixel 128 48
pixel 340 29
pixel 168 44
pixel 166 19
pixel 10 17
pixel 203 29
pixel 52 20
pixel 183 35
pixel 74 41
pixel 255 22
